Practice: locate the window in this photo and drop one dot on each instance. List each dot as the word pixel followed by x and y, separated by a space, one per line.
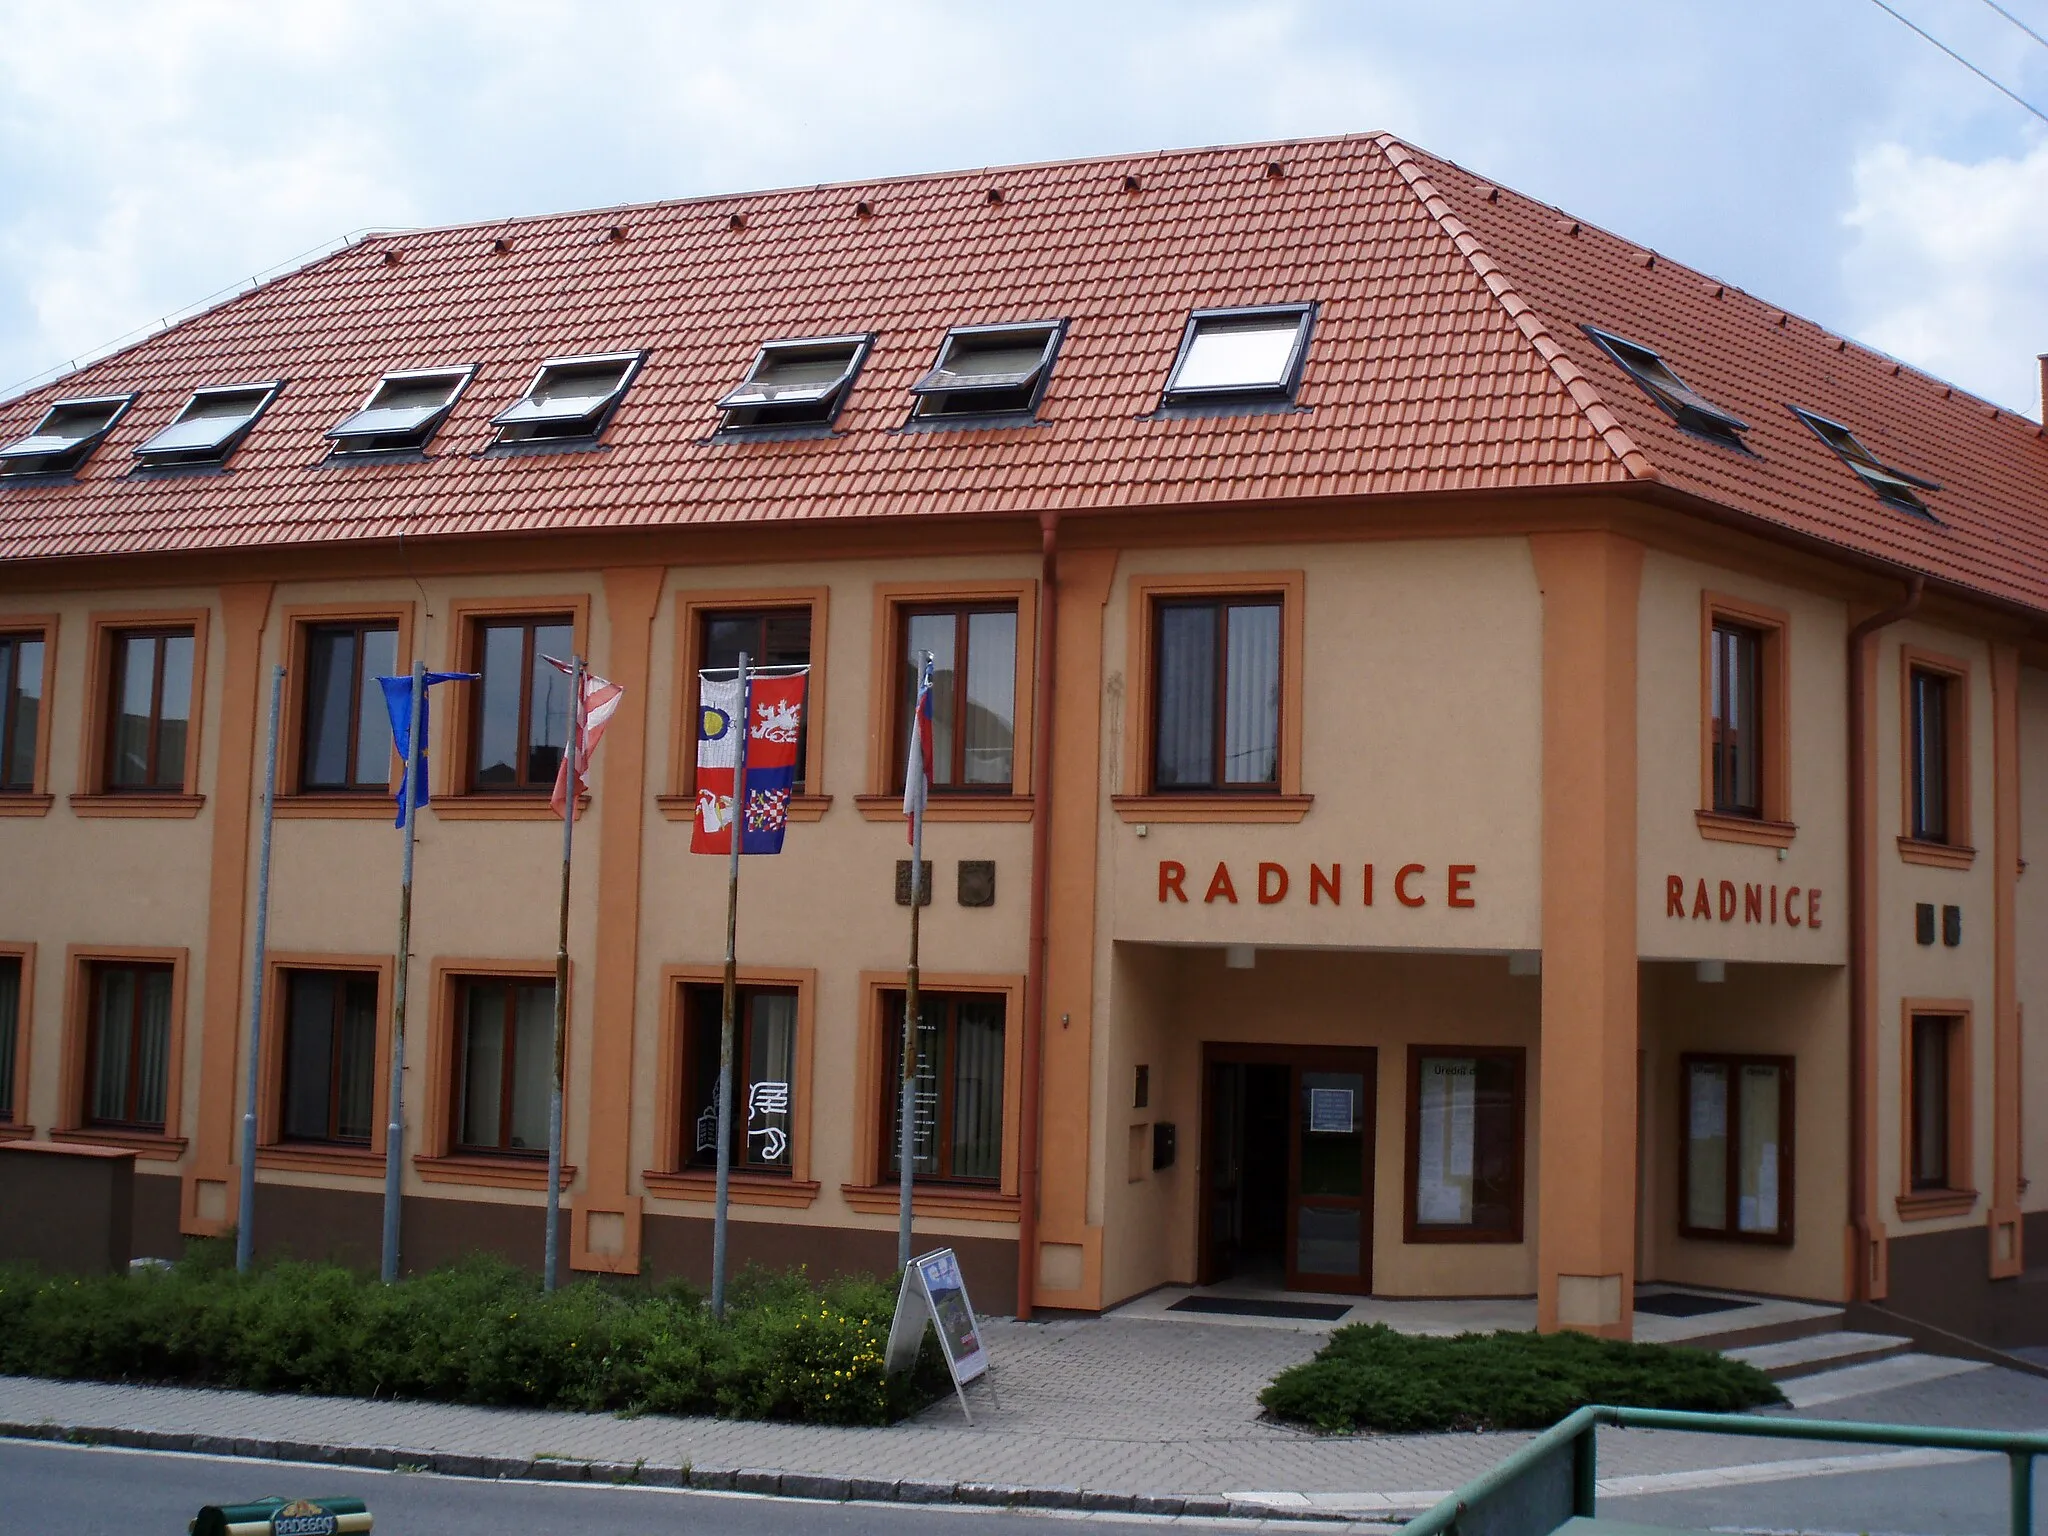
pixel 570 399
pixel 1736 1162
pixel 21 709
pixel 128 1046
pixel 1464 1145
pixel 151 693
pixel 957 1099
pixel 986 370
pixel 1937 1177
pixel 345 741
pixel 1930 1099
pixel 505 1065
pixel 65 437
pixel 763 1077
pixel 12 1027
pixel 1935 775
pixel 1929 693
pixel 795 384
pixel 521 720
pixel 1737 720
pixel 974 694
pixel 402 412
pixel 1216 694
pixel 1894 487
pixel 1240 354
pixel 775 637
pixel 209 428
pixel 330 1056
pixel 1661 383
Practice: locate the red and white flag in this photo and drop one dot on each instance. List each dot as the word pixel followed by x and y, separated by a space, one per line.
pixel 917 771
pixel 594 712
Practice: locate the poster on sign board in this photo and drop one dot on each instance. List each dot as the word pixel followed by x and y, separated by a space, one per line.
pixel 934 1289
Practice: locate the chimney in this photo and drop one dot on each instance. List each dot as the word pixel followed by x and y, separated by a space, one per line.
pixel 2044 388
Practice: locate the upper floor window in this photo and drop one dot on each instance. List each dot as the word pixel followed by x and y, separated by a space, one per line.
pixel 504 1072
pixel 1738 719
pixel 330 1056
pixel 1246 355
pixel 151 690
pixel 346 734
pixel 957 1096
pixel 986 370
pixel 974 693
pixel 209 428
pixel 800 383
pixel 770 637
pixel 21 709
pixel 569 400
pixel 1216 693
pixel 402 412
pixel 65 437
pixel 763 1079
pixel 1928 695
pixel 128 1046
pixel 521 722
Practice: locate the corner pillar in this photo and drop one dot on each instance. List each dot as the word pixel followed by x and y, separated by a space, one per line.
pixel 2007 1257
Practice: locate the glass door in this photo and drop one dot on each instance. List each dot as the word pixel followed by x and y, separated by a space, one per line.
pixel 1329 1215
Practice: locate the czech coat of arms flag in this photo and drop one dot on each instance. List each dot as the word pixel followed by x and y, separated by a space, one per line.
pixel 776 708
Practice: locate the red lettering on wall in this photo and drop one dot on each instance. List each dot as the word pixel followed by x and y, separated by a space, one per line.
pixel 1727 894
pixel 1171 874
pixel 1401 885
pixel 1752 903
pixel 1674 896
pixel 1791 905
pixel 1272 883
pixel 1812 908
pixel 1461 885
pixel 1333 883
pixel 1774 906
pixel 1701 907
pixel 1219 885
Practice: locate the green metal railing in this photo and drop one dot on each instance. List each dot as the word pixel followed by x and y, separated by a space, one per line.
pixel 1552 1479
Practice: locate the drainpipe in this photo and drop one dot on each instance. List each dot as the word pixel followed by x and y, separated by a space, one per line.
pixel 1041 897
pixel 1863 1219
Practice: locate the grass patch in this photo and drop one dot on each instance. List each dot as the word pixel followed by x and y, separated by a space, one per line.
pixel 478 1332
pixel 1372 1378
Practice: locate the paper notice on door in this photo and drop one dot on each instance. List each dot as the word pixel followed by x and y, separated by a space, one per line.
pixel 1443 1143
pixel 1330 1112
pixel 1461 1122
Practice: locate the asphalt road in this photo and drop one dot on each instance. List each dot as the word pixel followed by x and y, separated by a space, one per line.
pixel 1966 1498
pixel 59 1490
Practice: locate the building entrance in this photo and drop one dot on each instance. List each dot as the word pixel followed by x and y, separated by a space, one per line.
pixel 1287 1166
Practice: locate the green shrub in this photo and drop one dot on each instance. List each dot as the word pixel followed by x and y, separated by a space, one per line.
pixel 1370 1377
pixel 478 1332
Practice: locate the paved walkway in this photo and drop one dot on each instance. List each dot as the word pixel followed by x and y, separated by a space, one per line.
pixel 1152 1410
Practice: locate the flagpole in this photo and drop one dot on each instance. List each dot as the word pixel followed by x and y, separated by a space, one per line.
pixel 245 1214
pixel 736 830
pixel 910 1000
pixel 572 783
pixel 394 1128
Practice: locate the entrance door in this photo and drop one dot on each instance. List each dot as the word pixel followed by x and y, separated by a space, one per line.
pixel 1287 1169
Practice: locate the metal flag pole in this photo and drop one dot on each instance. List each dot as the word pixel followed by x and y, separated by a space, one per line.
pixel 910 1007
pixel 394 1128
pixel 245 1208
pixel 736 827
pixel 573 784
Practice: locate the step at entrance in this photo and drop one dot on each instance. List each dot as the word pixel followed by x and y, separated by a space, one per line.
pixel 1821 1352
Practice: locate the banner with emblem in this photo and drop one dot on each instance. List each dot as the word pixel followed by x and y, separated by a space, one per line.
pixel 775 708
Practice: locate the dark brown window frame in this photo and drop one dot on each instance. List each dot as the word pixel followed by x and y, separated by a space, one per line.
pixel 759 614
pixel 1951 850
pixel 289 1020
pixel 96 974
pixel 508 1072
pixel 1415 1231
pixel 356 784
pixel 1957 1183
pixel 906 692
pixel 528 621
pixel 117 661
pixel 1223 603
pixel 1734 1062
pixel 703 1007
pixel 1737 645
pixel 894 1001
pixel 10 723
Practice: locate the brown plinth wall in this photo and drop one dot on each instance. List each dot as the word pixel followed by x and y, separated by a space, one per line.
pixel 1939 1278
pixel 681 1245
pixel 157 1201
pixel 68 1210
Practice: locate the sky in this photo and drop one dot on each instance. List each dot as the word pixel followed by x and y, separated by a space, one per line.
pixel 1814 152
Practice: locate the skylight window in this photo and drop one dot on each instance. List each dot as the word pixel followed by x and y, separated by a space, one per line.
pixel 1894 487
pixel 1240 354
pixel 986 370
pixel 1661 383
pixel 569 398
pixel 66 436
pixel 799 383
pixel 211 426
pixel 402 412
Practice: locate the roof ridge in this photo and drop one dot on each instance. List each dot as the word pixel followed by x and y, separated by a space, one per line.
pixel 1582 390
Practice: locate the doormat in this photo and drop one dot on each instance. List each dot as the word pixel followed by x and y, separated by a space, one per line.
pixel 1687 1304
pixel 1237 1306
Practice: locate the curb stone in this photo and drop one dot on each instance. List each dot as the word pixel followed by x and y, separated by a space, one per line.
pixel 825 1487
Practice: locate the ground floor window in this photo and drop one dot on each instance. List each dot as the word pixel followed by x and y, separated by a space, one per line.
pixel 957 1098
pixel 10 1030
pixel 128 1046
pixel 505 1064
pixel 330 1056
pixel 763 1076
pixel 1464 1145
pixel 1937 1088
pixel 1737 1157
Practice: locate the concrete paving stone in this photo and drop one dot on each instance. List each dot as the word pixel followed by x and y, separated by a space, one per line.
pixel 814 1485
pixel 872 1490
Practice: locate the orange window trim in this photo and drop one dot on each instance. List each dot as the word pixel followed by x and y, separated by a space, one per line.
pixel 19 1125
pixel 1960 1197
pixel 1775 828
pixel 437 1160
pixel 79 960
pixel 891 600
pixel 299 620
pixel 38 800
pixel 102 629
pixel 274 1152
pixel 1143 593
pixel 679 803
pixel 454 731
pixel 1958 852
pixel 669 1175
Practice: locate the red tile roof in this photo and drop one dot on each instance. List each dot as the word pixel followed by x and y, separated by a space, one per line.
pixel 1447 356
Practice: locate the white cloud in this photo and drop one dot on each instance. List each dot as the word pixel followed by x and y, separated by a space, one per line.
pixel 1948 266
